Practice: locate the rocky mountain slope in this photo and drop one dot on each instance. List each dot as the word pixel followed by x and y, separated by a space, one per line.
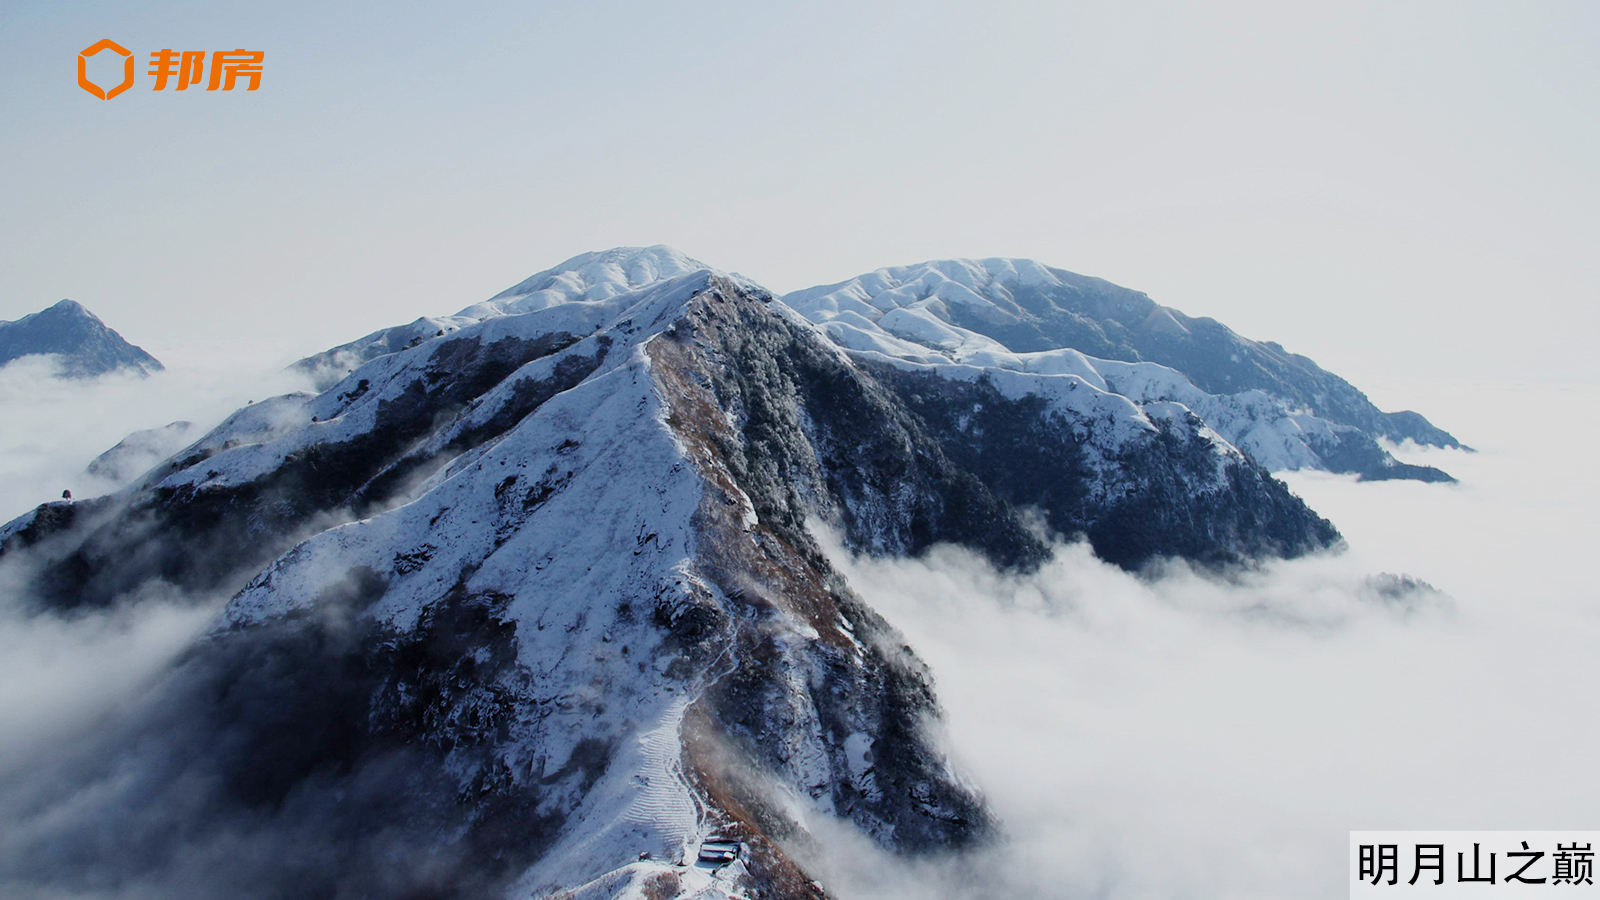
pixel 84 344
pixel 535 606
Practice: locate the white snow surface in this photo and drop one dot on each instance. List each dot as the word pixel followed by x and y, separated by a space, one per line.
pixel 583 279
pixel 139 451
pixel 588 276
pixel 989 286
pixel 341 360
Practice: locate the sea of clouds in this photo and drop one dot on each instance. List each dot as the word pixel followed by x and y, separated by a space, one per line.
pixel 1177 734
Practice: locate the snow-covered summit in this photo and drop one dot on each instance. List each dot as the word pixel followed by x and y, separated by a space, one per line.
pixel 588 278
pixel 991 286
pixel 1274 432
pixel 599 275
pixel 1009 314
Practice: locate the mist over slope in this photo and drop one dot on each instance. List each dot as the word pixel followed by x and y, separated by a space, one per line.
pixel 57 427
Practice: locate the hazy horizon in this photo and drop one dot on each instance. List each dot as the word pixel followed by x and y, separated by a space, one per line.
pixel 1394 190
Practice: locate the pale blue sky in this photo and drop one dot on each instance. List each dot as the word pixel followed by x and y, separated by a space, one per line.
pixel 1392 188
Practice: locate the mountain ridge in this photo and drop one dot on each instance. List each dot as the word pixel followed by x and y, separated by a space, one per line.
pixel 1045 308
pixel 1284 409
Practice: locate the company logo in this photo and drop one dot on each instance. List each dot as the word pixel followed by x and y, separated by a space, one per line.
pixel 223 71
pixel 83 68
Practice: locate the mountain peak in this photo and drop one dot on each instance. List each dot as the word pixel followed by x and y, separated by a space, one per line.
pixel 73 307
pixel 588 278
pixel 969 282
pixel 597 275
pixel 87 346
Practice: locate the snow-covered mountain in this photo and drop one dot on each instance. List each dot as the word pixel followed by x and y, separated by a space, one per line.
pixel 84 344
pixel 1020 315
pixel 530 602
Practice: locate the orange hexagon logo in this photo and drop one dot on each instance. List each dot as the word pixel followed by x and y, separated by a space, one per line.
pixel 83 69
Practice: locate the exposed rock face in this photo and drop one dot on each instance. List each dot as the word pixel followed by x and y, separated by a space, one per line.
pixel 534 605
pixel 84 344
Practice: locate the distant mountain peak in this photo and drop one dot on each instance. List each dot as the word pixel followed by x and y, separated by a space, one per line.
pixel 73 306
pixel 86 346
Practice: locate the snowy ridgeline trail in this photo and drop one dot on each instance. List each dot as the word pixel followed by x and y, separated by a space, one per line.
pixel 648 803
pixel 542 515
